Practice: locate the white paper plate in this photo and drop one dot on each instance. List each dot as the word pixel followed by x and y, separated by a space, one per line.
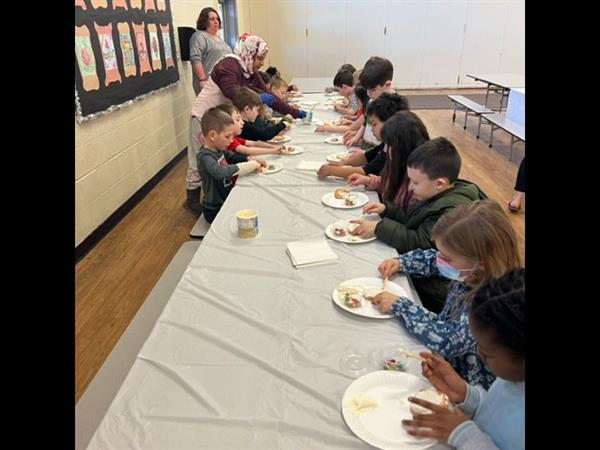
pixel 331 94
pixel 335 140
pixel 360 199
pixel 381 426
pixel 367 284
pixel 347 238
pixel 276 168
pixel 283 140
pixel 309 103
pixel 296 150
pixel 337 157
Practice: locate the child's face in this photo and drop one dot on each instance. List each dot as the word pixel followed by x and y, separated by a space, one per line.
pixel 346 90
pixel 251 113
pixel 378 90
pixel 501 361
pixel 222 140
pixel 463 263
pixel 238 123
pixel 279 92
pixel 376 125
pixel 422 186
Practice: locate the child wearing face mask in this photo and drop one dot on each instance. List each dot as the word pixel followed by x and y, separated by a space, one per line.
pixel 483 420
pixel 475 243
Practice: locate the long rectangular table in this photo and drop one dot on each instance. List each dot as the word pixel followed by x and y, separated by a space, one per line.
pixel 246 354
pixel 499 82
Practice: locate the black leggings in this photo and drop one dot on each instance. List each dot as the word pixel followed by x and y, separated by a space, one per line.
pixel 520 185
pixel 210 215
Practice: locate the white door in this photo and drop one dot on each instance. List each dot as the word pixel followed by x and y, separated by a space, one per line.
pixel 287 34
pixel 442 43
pixel 405 29
pixel 326 40
pixel 365 25
pixel 512 59
pixel 486 22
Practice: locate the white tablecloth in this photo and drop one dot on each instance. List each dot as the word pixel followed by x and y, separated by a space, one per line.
pixel 246 354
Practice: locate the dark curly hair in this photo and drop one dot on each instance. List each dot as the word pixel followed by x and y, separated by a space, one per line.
pixel 499 306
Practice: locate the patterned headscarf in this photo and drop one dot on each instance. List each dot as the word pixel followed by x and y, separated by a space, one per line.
pixel 248 47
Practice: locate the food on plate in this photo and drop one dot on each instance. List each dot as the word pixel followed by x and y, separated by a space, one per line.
pixel 279 137
pixel 341 193
pixel 351 301
pixel 362 403
pixel 287 149
pixel 339 231
pixel 349 200
pixel 270 167
pixel 431 395
pixel 335 139
pixel 370 293
pixel 393 364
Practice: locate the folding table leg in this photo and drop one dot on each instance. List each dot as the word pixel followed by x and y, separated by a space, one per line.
pixel 454 113
pixel 466 114
pixel 479 126
pixel 491 136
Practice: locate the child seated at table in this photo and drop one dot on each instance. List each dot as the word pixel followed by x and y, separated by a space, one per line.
pixel 376 77
pixel 402 134
pixel 494 419
pixel 475 243
pixel 245 146
pixel 432 169
pixel 346 121
pixel 373 160
pixel 348 67
pixel 344 81
pixel 248 103
pixel 216 165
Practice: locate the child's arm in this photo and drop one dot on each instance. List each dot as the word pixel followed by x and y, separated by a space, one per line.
pixel 256 150
pixel 393 231
pixel 353 140
pixel 338 171
pixel 344 110
pixel 354 159
pixel 262 144
pixel 257 133
pixel 218 171
pixel 332 128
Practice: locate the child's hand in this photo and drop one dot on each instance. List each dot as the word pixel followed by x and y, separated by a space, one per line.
pixel 348 134
pixel 384 301
pixel 389 267
pixel 356 150
pixel 262 164
pixel 374 208
pixel 365 229
pixel 324 170
pixel 352 141
pixel 287 125
pixel 438 425
pixel 356 179
pixel 320 129
pixel 441 374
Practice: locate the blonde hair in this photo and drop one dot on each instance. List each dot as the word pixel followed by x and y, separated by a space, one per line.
pixel 481 231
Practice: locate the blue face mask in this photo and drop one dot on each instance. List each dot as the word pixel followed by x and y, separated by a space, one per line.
pixel 448 271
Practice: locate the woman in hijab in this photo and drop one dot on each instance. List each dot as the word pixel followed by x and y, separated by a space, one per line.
pixel 230 73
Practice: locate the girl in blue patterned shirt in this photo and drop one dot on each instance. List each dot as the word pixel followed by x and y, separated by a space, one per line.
pixel 475 243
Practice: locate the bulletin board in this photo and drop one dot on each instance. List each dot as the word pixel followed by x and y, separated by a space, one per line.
pixel 124 51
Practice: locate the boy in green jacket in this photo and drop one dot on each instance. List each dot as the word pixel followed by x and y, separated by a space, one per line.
pixel 433 170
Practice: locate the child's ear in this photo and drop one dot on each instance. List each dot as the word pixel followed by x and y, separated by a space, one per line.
pixel 442 183
pixel 212 134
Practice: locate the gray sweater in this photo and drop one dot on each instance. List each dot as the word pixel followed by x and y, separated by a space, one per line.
pixel 205 50
pixel 216 170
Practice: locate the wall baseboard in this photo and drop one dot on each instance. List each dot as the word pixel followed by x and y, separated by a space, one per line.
pixel 96 236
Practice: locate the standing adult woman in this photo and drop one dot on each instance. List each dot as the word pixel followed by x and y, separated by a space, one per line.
pixel 228 75
pixel 206 47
